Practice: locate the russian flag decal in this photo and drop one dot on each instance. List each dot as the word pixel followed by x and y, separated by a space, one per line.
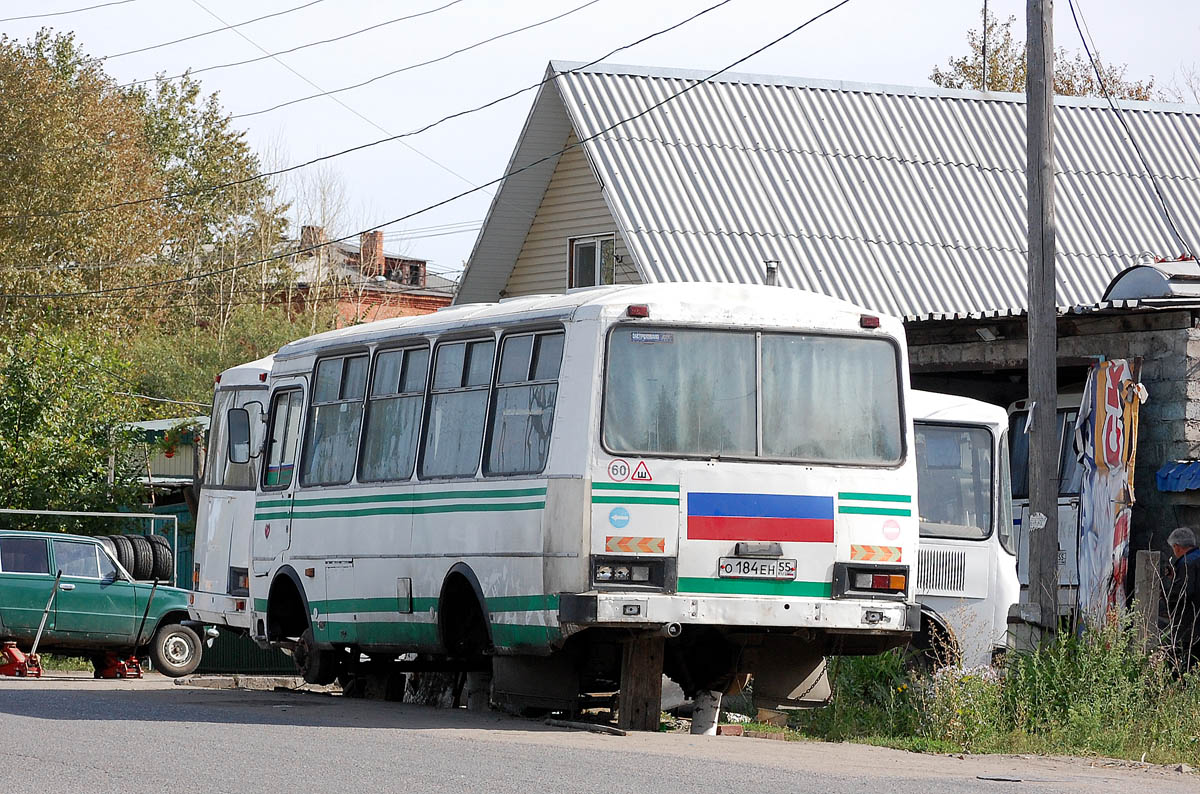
pixel 754 516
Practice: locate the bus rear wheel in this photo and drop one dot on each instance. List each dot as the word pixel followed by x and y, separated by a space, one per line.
pixel 316 665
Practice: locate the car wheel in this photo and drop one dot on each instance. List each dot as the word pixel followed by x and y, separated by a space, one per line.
pixel 317 666
pixel 164 560
pixel 143 557
pixel 123 551
pixel 175 650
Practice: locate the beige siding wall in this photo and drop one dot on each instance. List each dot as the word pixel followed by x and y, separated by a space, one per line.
pixel 573 206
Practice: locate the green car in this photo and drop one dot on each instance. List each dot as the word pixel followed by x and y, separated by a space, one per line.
pixel 98 606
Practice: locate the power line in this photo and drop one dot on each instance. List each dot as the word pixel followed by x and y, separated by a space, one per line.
pixel 410 67
pixel 414 233
pixel 205 33
pixel 669 98
pixel 368 145
pixel 72 11
pixel 379 127
pixel 192 72
pixel 1129 133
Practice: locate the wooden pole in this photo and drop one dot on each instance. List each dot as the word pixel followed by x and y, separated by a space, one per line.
pixel 1043 331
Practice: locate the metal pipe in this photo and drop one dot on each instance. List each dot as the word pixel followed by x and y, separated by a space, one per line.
pixel 45 613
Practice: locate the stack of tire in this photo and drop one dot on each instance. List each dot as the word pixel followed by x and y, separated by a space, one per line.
pixel 145 557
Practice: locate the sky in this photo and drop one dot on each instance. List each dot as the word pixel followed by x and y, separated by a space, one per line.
pixel 876 41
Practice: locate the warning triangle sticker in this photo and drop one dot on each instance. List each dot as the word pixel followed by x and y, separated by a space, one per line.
pixel 641 473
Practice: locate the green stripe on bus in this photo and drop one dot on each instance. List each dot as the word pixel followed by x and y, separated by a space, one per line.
pixel 511 635
pixel 420 496
pixel 516 603
pixel 754 587
pixel 635 500
pixel 634 486
pixel 523 603
pixel 875 511
pixel 382 632
pixel 405 510
pixel 874 497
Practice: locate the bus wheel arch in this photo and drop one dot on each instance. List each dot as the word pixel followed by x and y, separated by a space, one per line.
pixel 464 626
pixel 935 645
pixel 287 606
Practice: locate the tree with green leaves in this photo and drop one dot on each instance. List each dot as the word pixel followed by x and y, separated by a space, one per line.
pixel 64 444
pixel 72 140
pixel 1073 73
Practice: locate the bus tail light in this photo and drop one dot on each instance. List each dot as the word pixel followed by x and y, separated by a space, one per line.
pixel 632 572
pixel 872 581
pixel 196 576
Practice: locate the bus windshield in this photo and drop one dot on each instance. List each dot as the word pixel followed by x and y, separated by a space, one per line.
pixel 954 481
pixel 693 392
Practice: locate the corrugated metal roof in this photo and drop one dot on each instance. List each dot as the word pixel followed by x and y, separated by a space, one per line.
pixel 907 200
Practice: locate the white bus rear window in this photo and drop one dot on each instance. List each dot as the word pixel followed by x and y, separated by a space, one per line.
pixel 954 481
pixel 695 392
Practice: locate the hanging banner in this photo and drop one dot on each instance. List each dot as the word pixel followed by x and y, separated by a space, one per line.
pixel 1106 441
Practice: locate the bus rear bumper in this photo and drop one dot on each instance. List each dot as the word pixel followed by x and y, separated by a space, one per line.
pixel 652 610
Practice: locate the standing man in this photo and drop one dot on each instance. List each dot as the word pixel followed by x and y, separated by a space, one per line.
pixel 1183 597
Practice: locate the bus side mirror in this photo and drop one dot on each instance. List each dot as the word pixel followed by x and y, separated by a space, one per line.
pixel 239 435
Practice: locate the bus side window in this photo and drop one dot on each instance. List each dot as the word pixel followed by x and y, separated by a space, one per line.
pixel 523 408
pixel 394 406
pixel 458 397
pixel 281 444
pixel 333 424
pixel 216 452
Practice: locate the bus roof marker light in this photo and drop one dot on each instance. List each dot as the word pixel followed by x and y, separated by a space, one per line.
pixel 640 310
pixel 262 376
pixel 868 321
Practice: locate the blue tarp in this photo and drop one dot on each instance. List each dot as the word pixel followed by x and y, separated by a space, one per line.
pixel 1179 475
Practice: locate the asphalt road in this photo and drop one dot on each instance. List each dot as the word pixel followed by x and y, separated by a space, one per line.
pixel 73 734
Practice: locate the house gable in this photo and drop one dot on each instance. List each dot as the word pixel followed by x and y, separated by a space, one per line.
pixel 572 207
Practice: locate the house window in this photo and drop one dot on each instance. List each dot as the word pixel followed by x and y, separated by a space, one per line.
pixel 592 261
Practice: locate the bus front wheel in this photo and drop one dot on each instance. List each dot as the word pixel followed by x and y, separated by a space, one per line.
pixel 316 665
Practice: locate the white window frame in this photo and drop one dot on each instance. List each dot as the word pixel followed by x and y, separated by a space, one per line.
pixel 598 241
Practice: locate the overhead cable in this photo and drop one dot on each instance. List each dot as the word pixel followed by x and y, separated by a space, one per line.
pixel 206 33
pixel 267 174
pixel 410 67
pixel 385 23
pixel 552 156
pixel 1162 200
pixel 71 11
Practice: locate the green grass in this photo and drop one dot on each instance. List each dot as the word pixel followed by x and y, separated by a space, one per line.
pixel 65 664
pixel 1096 695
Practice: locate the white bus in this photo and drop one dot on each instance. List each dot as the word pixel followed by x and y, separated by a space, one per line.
pixel 968 572
pixel 1070 482
pixel 578 490
pixel 221 571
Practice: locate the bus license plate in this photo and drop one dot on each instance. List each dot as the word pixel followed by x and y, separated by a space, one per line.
pixel 741 568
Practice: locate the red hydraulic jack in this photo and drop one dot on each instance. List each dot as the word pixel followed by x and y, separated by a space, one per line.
pixel 113 666
pixel 15 663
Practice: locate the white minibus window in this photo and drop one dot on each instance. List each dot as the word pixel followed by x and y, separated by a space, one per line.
pixel 462 375
pixel 389 448
pixel 830 398
pixel 954 481
pixel 680 392
pixel 334 420
pixel 523 410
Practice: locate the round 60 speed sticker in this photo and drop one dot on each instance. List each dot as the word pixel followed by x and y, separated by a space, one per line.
pixel 618 470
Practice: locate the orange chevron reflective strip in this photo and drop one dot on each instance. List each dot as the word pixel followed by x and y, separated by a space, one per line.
pixel 635 545
pixel 864 553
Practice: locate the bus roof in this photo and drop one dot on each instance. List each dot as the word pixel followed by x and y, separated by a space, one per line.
pixel 719 303
pixel 247 374
pixel 932 406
